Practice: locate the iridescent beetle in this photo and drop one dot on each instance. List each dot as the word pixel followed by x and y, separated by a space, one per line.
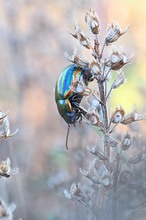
pixel 67 100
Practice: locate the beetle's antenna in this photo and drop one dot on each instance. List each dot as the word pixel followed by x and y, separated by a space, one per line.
pixel 67 136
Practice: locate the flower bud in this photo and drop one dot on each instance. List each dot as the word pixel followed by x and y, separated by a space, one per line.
pixel 92 21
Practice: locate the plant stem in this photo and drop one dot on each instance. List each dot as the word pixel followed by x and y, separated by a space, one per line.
pixel 114 207
pixel 104 44
pixel 109 92
pixel 116 175
pixel 101 86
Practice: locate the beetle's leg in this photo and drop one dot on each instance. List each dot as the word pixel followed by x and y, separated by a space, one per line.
pixel 76 98
pixel 80 109
pixel 80 113
pixel 80 119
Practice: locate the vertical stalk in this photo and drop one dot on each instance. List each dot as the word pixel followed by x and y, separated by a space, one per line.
pixel 114 207
pixel 114 199
pixel 101 86
pixel 102 91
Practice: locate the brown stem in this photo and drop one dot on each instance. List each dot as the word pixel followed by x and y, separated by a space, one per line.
pixel 101 85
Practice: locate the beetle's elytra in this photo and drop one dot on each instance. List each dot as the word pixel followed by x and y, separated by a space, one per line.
pixel 67 100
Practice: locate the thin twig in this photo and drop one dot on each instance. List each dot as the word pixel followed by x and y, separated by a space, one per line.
pixel 113 128
pixel 107 73
pixel 98 99
pixel 109 92
pixel 102 50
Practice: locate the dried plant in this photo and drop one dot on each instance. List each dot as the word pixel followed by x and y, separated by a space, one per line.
pixel 110 168
pixel 6 212
pixel 5 127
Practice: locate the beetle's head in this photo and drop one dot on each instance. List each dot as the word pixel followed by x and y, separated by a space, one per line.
pixel 87 75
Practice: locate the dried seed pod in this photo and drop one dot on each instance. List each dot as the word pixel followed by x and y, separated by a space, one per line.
pixel 113 33
pixel 96 68
pixel 94 119
pixel 119 81
pixel 107 182
pixel 132 117
pixel 137 159
pixel 94 150
pixel 84 173
pixel 78 86
pixel 118 115
pixel 5 167
pixel 87 195
pixel 93 22
pixel 91 175
pixel 6 170
pixel 117 59
pixel 83 194
pixel 75 192
pixel 100 167
pixel 75 189
pixel 126 143
pixel 75 58
pixel 110 142
pixel 6 212
pixel 125 176
pixel 94 103
pixel 5 127
pixel 79 35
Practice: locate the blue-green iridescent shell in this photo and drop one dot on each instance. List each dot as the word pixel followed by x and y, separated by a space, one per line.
pixel 64 82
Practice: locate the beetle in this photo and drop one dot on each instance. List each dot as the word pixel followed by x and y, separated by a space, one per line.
pixel 66 99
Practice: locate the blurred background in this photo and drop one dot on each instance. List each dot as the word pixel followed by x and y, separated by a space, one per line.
pixel 33 39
